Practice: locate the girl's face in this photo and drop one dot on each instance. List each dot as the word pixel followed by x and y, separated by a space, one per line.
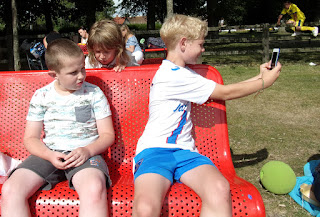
pixel 124 32
pixel 105 57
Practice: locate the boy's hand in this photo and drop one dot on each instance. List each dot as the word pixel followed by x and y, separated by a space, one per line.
pixel 269 75
pixel 57 159
pixel 77 157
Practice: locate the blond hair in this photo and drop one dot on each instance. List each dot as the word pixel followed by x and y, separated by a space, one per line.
pixel 178 26
pixel 58 50
pixel 107 35
pixel 129 32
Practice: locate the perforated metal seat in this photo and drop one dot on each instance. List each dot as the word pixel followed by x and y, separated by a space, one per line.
pixel 128 94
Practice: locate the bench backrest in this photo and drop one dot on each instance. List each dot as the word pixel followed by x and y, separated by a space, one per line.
pixel 128 94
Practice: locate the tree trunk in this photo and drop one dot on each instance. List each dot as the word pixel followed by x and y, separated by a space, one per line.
pixel 211 7
pixel 47 15
pixel 169 8
pixel 151 16
pixel 91 13
pixel 16 56
pixel 8 21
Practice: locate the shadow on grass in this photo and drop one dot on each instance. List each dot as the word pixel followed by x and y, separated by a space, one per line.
pixel 314 157
pixel 243 160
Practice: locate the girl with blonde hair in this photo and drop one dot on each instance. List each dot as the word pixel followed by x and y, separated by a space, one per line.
pixel 132 44
pixel 107 48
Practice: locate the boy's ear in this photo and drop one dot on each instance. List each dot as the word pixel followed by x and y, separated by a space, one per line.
pixel 52 73
pixel 183 43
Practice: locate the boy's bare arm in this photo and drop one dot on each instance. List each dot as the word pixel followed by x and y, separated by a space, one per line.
pixel 106 137
pixel 279 19
pixel 105 140
pixel 232 91
pixel 36 147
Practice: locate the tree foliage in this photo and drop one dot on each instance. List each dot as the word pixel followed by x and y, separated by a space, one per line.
pixel 136 7
pixel 235 12
pixel 63 13
pixel 55 14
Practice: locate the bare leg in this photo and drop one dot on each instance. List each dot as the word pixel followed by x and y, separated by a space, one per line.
pixel 90 184
pixel 150 190
pixel 292 24
pixel 212 188
pixel 16 192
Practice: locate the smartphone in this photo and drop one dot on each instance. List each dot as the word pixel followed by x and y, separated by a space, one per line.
pixel 275 57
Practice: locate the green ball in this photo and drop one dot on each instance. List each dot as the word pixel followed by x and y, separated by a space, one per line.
pixel 277 177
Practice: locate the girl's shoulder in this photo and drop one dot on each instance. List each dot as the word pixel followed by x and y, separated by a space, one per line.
pixel 132 37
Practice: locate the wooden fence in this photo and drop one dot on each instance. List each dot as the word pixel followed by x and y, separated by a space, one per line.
pixel 258 39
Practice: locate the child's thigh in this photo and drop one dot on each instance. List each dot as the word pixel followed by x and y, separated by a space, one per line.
pixel 87 177
pixel 204 178
pixel 291 22
pixel 151 187
pixel 94 170
pixel 17 182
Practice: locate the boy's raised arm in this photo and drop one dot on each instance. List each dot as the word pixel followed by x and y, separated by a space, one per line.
pixel 233 91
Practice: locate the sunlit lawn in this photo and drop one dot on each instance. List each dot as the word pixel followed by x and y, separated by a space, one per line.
pixel 282 123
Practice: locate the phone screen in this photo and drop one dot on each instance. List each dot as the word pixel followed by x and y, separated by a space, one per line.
pixel 274 58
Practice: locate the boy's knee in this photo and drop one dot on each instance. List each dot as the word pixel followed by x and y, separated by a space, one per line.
pixel 8 189
pixel 96 191
pixel 223 186
pixel 145 208
pixel 220 187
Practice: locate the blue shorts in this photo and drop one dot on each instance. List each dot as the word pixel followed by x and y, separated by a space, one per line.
pixel 170 163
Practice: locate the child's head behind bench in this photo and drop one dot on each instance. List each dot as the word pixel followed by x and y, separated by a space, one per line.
pixel 179 26
pixel 60 52
pixel 105 36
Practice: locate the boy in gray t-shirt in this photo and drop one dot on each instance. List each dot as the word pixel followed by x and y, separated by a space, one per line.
pixel 76 119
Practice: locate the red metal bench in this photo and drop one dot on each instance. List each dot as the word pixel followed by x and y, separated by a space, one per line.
pixel 128 94
pixel 156 60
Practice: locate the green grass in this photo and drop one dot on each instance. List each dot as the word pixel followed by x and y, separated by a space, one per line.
pixel 282 124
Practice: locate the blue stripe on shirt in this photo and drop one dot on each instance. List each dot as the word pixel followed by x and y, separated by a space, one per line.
pixel 173 138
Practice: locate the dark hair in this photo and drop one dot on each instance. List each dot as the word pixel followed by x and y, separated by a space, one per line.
pixel 52 36
pixel 83 27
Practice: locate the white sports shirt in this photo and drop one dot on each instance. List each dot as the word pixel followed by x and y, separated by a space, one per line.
pixel 172 91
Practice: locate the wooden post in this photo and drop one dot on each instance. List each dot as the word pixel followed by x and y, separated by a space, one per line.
pixel 265 43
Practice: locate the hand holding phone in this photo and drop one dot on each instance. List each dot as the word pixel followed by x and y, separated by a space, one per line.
pixel 275 57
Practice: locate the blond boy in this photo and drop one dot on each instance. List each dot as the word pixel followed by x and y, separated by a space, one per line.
pixel 76 119
pixel 166 151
